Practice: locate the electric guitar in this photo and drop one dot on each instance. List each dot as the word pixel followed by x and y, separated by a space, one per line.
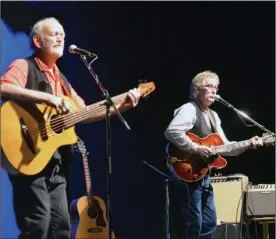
pixel 31 133
pixel 88 213
pixel 190 167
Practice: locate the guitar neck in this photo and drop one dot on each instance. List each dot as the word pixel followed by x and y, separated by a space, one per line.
pixel 87 179
pixel 93 110
pixel 232 146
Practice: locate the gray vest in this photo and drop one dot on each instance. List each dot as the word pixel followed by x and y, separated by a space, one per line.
pixel 201 128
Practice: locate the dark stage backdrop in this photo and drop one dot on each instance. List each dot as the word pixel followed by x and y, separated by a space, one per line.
pixel 168 43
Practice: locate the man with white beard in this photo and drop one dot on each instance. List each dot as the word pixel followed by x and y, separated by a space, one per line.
pixel 40 200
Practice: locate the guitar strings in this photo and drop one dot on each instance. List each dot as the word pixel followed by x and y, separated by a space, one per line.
pixel 66 120
pixel 90 195
pixel 68 123
pixel 90 109
pixel 78 112
pixel 61 124
pixel 62 121
pixel 75 114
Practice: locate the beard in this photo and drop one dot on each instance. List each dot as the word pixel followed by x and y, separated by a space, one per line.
pixel 56 51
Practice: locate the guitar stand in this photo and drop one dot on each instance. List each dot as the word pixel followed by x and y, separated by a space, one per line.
pixel 167 180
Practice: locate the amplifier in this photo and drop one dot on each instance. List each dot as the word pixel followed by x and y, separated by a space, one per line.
pixel 261 200
pixel 229 196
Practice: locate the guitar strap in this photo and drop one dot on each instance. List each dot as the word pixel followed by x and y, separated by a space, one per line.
pixel 213 125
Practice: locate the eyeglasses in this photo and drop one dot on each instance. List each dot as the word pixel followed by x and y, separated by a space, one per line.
pixel 209 87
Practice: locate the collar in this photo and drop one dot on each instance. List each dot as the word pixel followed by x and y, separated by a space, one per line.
pixel 43 67
pixel 204 111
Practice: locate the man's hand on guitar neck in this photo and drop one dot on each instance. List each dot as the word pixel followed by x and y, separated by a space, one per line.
pixel 256 142
pixel 131 100
pixel 63 106
pixel 203 151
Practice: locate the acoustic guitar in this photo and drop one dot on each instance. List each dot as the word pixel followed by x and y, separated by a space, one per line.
pixel 190 167
pixel 88 213
pixel 31 133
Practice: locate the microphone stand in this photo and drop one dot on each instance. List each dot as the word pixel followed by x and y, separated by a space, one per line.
pixel 167 199
pixel 224 102
pixel 108 103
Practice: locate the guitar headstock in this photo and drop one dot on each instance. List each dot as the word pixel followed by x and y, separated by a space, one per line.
pixel 146 88
pixel 268 139
pixel 80 147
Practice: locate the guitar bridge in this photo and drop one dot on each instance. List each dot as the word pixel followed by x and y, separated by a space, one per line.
pixel 95 230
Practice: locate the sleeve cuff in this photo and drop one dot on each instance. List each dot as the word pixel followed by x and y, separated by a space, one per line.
pixel 193 148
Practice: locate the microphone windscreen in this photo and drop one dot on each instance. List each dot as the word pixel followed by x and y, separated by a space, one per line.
pixel 217 97
pixel 72 48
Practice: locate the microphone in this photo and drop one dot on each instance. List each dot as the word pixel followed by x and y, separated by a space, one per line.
pixel 217 97
pixel 224 102
pixel 75 50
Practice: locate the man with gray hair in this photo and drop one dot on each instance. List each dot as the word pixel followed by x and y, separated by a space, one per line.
pixel 195 199
pixel 40 200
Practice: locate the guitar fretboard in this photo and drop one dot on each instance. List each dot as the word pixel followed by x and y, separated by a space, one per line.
pixel 87 179
pixel 232 146
pixel 86 112
pixel 226 148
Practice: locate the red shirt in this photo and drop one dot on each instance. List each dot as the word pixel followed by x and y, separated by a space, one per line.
pixel 18 71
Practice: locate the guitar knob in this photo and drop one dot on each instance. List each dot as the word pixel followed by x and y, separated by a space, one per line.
pixel 172 160
pixel 194 177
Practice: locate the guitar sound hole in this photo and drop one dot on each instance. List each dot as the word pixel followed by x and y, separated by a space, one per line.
pixel 57 124
pixel 92 212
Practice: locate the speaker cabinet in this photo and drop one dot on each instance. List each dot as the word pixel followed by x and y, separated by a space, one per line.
pixel 229 195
